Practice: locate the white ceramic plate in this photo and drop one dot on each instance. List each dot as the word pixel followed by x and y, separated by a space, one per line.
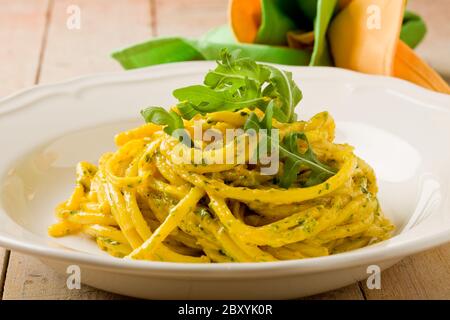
pixel 402 130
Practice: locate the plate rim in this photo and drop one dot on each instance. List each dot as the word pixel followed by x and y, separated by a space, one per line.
pixel 74 84
pixel 27 96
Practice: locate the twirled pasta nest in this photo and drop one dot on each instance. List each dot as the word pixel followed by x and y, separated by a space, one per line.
pixel 139 204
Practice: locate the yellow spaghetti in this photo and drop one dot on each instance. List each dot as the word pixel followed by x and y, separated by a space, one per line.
pixel 139 204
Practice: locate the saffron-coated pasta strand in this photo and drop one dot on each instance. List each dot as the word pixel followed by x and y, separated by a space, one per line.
pixel 140 203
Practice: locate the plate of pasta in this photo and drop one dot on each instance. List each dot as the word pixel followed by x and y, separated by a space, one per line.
pixel 220 180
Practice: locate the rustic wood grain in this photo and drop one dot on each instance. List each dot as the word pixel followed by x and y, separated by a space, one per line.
pixel 351 292
pixel 29 279
pixel 4 259
pixel 422 276
pixel 189 18
pixel 105 26
pixel 22 25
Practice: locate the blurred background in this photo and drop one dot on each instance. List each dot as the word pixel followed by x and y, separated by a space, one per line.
pixel 38 46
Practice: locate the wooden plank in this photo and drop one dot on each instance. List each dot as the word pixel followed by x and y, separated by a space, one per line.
pixel 351 292
pixel 105 26
pixel 422 276
pixel 4 260
pixel 22 25
pixel 189 18
pixel 29 279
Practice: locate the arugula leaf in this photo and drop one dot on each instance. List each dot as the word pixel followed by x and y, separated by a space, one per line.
pixel 186 110
pixel 238 83
pixel 171 120
pixel 232 68
pixel 254 123
pixel 294 160
pixel 161 116
pixel 285 92
pixel 253 126
pixel 233 85
pixel 204 99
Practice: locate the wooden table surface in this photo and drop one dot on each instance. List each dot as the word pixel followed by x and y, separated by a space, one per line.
pixel 37 47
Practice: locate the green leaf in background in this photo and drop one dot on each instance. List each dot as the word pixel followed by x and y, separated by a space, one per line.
pixel 413 29
pixel 274 24
pixel 158 51
pixel 258 52
pixel 321 53
pixel 208 47
pixel 278 17
pixel 308 8
pixel 213 41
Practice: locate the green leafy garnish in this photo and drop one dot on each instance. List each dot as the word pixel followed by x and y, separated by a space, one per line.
pixel 187 110
pixel 285 94
pixel 172 121
pixel 204 99
pixel 294 160
pixel 235 68
pixel 237 83
pixel 158 115
pixel 254 123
